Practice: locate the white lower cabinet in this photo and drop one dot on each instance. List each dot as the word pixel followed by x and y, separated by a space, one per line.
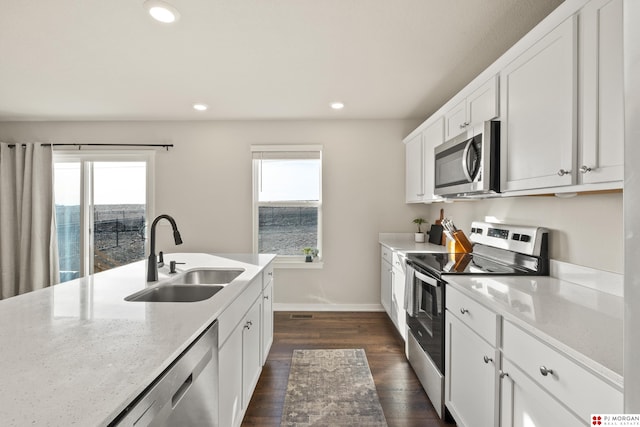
pixel 523 382
pixel 392 283
pixel 251 355
pixel 386 278
pixel 230 382
pixel 267 320
pixel 244 339
pixel 470 362
pixel 525 404
pixel 569 383
pixel 399 274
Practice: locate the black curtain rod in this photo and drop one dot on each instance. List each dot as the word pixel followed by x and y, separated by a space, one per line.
pixel 165 146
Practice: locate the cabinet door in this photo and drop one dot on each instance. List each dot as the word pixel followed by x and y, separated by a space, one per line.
pixel 251 356
pixel 539 126
pixel 267 321
pixel 482 104
pixel 455 121
pixel 523 403
pixel 386 279
pixel 431 138
pixel 230 380
pixel 602 101
pixel 414 173
pixel 470 379
pixel 399 275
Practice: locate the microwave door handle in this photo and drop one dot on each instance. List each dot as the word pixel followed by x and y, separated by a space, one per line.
pixel 465 156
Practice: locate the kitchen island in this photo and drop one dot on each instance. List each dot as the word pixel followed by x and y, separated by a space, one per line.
pixel 78 354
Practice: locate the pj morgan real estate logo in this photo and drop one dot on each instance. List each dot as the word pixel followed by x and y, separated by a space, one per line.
pixel 627 420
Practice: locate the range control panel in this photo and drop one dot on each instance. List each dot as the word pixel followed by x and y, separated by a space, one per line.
pixel 517 238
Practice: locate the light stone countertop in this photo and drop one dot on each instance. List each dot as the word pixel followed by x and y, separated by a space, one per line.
pixel 78 354
pixel 404 243
pixel 582 322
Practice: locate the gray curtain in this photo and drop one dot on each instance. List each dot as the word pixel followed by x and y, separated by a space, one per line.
pixel 28 247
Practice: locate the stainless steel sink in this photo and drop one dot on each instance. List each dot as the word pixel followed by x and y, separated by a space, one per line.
pixel 176 293
pixel 209 276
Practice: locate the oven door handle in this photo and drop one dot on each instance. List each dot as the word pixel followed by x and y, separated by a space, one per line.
pixel 426 279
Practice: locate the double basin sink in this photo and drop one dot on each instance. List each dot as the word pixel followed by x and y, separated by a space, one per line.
pixel 192 286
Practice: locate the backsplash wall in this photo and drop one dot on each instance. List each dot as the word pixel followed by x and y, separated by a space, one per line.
pixel 586 230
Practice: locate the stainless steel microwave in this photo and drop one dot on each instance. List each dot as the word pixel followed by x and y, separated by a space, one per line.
pixel 468 164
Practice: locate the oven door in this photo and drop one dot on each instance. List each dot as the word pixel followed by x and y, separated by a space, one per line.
pixel 426 319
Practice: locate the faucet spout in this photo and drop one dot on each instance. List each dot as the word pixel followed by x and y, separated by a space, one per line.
pixel 152 267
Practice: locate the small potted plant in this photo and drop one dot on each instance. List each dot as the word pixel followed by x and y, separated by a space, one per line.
pixel 309 254
pixel 419 236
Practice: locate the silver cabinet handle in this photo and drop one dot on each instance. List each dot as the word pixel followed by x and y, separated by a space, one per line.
pixel 563 172
pixel 464 311
pixel 462 126
pixel 487 359
pixel 270 273
pixel 503 374
pixel 419 194
pixel 266 297
pixel 545 371
pixel 585 169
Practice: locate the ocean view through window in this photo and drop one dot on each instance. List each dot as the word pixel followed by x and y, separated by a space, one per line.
pixel 287 200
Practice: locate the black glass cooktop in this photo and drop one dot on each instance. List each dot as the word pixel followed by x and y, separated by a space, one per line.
pixel 461 263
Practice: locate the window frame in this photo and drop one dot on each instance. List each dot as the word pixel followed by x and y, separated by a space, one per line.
pixel 86 158
pixel 281 260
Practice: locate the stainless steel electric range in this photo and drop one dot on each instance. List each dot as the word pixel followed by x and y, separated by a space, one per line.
pixel 499 249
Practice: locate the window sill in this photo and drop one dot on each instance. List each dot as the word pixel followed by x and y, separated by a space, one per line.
pixel 289 264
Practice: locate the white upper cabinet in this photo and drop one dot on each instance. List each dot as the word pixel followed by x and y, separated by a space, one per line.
pixel 601 88
pixel 419 151
pixel 432 136
pixel 539 123
pixel 479 106
pixel 414 182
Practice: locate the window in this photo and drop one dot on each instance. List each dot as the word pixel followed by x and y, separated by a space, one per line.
pixel 102 205
pixel 287 200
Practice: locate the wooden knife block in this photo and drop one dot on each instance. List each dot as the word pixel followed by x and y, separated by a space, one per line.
pixel 459 244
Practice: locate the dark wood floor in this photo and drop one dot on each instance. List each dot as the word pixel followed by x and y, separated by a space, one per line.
pixel 403 400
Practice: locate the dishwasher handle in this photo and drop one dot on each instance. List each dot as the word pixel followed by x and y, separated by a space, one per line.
pixel 181 391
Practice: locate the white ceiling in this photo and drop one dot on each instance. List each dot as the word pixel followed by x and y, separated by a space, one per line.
pixel 249 59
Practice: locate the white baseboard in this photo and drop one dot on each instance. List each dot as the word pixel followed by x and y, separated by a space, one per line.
pixel 327 307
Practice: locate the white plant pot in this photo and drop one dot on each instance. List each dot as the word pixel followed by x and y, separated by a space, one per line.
pixel 419 237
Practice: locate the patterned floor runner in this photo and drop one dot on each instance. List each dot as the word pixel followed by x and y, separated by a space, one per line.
pixel 331 388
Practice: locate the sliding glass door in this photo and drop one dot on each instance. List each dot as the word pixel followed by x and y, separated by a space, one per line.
pixel 102 205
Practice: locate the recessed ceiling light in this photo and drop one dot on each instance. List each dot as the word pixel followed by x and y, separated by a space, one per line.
pixel 337 105
pixel 200 107
pixel 162 11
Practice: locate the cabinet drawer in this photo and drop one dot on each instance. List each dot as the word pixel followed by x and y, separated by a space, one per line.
pixel 236 311
pixel 267 276
pixel 480 319
pixel 386 254
pixel 579 389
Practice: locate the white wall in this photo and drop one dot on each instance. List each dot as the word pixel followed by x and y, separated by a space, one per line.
pixel 584 230
pixel 205 183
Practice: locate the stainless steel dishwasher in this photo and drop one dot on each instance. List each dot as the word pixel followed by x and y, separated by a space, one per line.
pixel 186 394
